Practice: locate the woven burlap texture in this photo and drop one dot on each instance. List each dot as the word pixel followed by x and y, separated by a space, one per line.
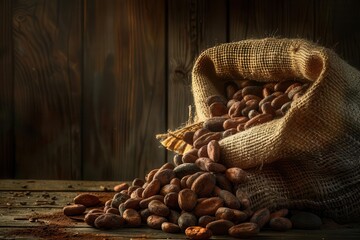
pixel 308 159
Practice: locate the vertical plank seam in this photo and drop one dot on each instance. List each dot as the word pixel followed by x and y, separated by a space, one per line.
pixel 166 71
pixel 314 21
pixel 227 20
pixel 13 116
pixel 82 50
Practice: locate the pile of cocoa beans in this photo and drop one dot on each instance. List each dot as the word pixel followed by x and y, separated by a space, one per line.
pixel 197 194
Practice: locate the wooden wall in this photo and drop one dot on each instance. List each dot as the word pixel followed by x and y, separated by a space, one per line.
pixel 85 85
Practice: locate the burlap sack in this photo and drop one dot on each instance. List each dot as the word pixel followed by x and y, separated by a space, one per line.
pixel 308 159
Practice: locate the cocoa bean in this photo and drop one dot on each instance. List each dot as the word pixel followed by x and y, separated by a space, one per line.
pixel 173 216
pixel 154 221
pixel 231 88
pixel 225 213
pixel 132 218
pixel 280 224
pixel 280 213
pixel 171 200
pixel 244 230
pixel 91 216
pixel 189 137
pixel 137 193
pixel 145 202
pixel 86 199
pixel 252 90
pixel 109 221
pixel 200 132
pixel 185 169
pixel 259 119
pixel 234 122
pixel 206 138
pixel 137 182
pixel 131 189
pixel 236 109
pixel 121 186
pixel 158 208
pixel 217 109
pixel 204 185
pixel 149 177
pixel 169 227
pixel 206 164
pixel 187 200
pixel 215 98
pixel 113 211
pixel 164 176
pixel 152 188
pixel 208 206
pixel 177 159
pixel 229 132
pixel 279 101
pixel 198 233
pixel 236 175
pixel 205 220
pixel 230 199
pixel 202 152
pixel 75 209
pixel 132 203
pixel 220 227
pixel 186 220
pixel 282 86
pixel 261 217
pixel 223 182
pixel 144 214
pixel 213 150
pixel 176 181
pixel 190 180
pixel 169 188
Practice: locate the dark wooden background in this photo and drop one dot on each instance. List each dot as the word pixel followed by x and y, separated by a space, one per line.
pixel 85 85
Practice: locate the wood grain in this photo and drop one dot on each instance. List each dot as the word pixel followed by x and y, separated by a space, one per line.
pixel 337 27
pixel 6 92
pixel 15 224
pixel 193 26
pixel 47 75
pixel 279 18
pixel 56 185
pixel 124 88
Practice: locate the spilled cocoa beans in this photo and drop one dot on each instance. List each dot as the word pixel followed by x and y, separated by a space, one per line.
pixel 196 194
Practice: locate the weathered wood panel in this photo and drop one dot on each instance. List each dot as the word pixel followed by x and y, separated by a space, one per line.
pixel 193 26
pixel 279 18
pixel 124 88
pixel 47 76
pixel 6 92
pixel 337 26
pixel 138 56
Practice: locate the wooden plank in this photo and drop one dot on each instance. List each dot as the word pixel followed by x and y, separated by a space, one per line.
pixel 46 220
pixel 193 26
pixel 337 27
pixel 15 219
pixel 47 62
pixel 124 88
pixel 89 233
pixel 32 217
pixel 56 185
pixel 45 199
pixel 6 92
pixel 279 18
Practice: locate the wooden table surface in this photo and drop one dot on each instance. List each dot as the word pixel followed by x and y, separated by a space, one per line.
pixel 32 209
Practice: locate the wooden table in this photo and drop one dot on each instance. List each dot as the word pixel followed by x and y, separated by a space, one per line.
pixel 32 209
